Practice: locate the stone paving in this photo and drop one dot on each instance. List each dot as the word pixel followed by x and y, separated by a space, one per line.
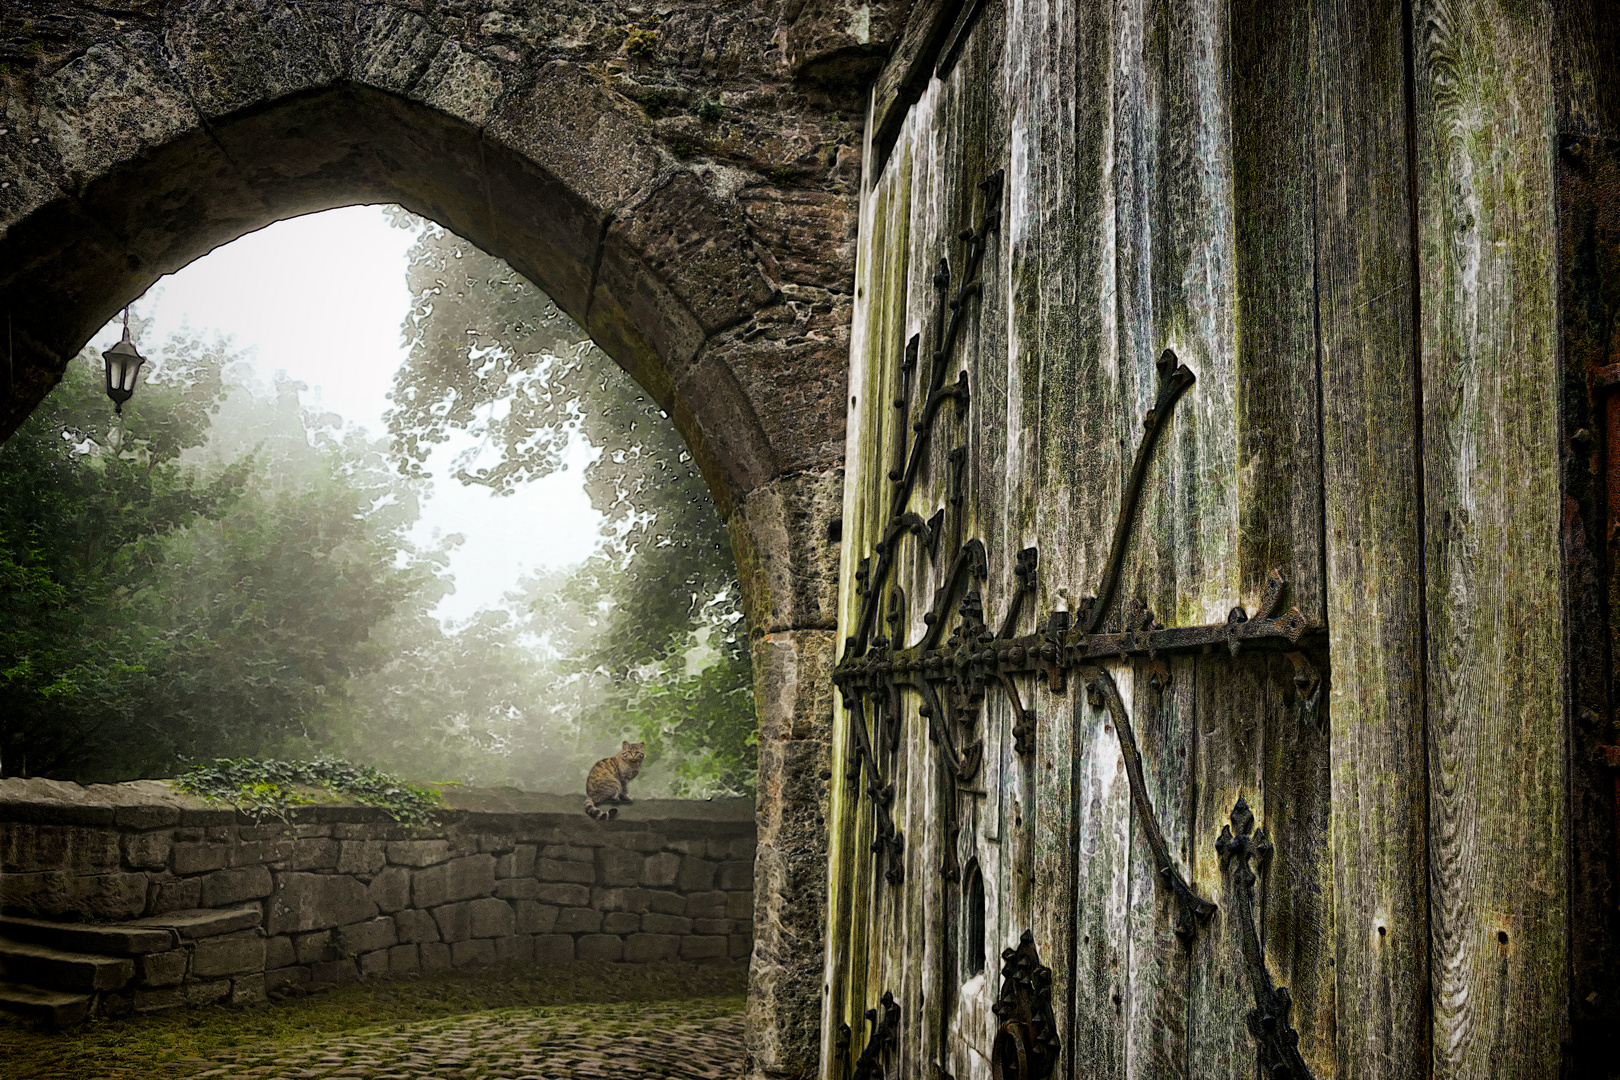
pixel 689 1040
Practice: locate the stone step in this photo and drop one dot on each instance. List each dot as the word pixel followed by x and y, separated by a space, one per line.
pixel 112 939
pixel 202 922
pixel 45 1006
pixel 59 969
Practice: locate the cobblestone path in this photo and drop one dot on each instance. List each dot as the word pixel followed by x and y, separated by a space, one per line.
pixel 688 1040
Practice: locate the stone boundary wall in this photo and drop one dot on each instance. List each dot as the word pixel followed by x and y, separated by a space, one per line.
pixel 342 892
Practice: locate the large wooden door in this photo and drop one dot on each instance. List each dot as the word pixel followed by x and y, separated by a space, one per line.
pixel 1140 735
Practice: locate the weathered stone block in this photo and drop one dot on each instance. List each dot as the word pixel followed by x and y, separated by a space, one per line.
pixel 60 894
pixel 279 952
pixel 618 899
pixel 600 947
pixel 533 918
pixel 514 947
pixel 374 963
pixel 700 947
pixel 576 920
pixel 164 968
pixel 316 901
pixel 28 848
pixel 452 922
pixel 564 895
pixel 313 853
pixel 186 994
pixel 523 888
pixel 478 952
pixel 247 989
pixel 643 842
pixel 418 852
pixel 666 903
pixel 552 948
pixel 175 895
pixel 706 905
pixel 458 879
pixel 285 978
pixel 655 923
pixel 739 945
pixel 224 887
pixel 390 890
pixel 595 141
pixel 740 905
pixel 617 867
pixel 200 858
pixel 336 972
pixel 361 830
pixel 415 925
pixel 620 922
pixel 518 863
pixel 315 947
pixel 712 926
pixel 697 875
pixel 659 871
pixel 231 954
pixel 368 936
pixel 148 851
pixel 736 875
pixel 645 948
pixel 490 917
pixel 361 856
pixel 403 959
pixel 555 870
pixel 435 955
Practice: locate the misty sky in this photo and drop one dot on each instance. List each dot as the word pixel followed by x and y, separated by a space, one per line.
pixel 322 298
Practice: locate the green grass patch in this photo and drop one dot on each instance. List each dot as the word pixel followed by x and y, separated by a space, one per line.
pixel 185 1041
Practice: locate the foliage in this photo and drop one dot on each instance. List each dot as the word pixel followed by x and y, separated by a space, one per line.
pixel 173 593
pixel 271 787
pixel 646 638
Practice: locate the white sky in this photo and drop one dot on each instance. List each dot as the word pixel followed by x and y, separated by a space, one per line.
pixel 322 298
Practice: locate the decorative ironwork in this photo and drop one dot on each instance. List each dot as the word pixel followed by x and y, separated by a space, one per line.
pixel 885 1022
pixel 1026 1044
pixel 1102 692
pixel 1277 1041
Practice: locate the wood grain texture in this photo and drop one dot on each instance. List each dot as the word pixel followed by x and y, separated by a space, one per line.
pixel 1279 414
pixel 1362 207
pixel 1229 749
pixel 1487 244
pixel 1158 970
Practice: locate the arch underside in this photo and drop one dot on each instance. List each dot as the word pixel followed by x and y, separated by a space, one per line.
pixel 72 263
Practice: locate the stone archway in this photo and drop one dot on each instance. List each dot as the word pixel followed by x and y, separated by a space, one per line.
pixel 710 255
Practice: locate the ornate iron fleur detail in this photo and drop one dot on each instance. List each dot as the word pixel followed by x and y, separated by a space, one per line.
pixel 1026 1044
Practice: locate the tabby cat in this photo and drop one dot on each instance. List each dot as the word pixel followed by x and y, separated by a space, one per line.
pixel 609 780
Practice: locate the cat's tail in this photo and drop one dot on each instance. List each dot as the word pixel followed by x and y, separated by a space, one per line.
pixel 592 810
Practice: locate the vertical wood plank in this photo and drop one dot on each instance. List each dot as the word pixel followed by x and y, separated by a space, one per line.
pixel 1362 202
pixel 1278 386
pixel 1296 891
pixel 1488 330
pixel 1228 748
pixel 1103 838
pixel 1158 963
pixel 1061 444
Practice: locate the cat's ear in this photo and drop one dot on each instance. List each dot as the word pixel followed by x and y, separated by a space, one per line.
pixel 624 746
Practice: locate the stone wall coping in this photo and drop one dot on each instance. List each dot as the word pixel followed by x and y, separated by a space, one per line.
pixel 152 804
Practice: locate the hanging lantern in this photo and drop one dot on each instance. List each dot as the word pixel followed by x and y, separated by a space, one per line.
pixel 123 364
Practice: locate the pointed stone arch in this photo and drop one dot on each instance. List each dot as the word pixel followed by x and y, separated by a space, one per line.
pixel 712 259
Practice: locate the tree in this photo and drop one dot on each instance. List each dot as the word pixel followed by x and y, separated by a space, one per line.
pixel 172 596
pixel 491 355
